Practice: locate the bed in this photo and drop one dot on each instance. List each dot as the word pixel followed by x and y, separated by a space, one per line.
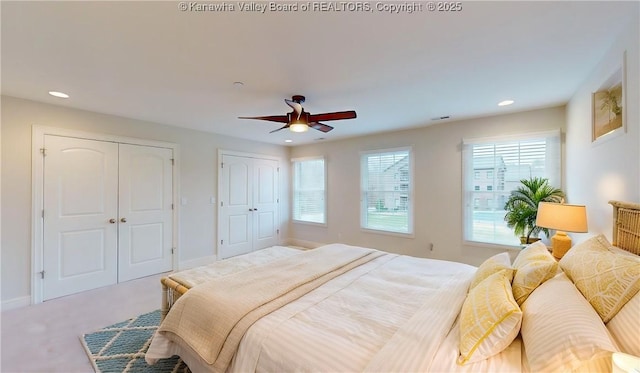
pixel 345 308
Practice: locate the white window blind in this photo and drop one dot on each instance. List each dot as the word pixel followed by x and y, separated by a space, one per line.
pixel 387 191
pixel 493 167
pixel 309 190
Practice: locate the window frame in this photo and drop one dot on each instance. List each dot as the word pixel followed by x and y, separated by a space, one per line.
pixel 401 180
pixel 468 203
pixel 293 190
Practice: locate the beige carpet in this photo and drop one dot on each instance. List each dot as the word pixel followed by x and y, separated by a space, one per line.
pixel 45 337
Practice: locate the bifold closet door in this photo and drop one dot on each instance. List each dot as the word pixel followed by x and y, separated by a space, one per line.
pixel 107 213
pixel 80 212
pixel 145 211
pixel 248 205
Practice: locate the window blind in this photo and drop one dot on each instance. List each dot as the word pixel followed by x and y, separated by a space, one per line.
pixel 309 190
pixel 386 184
pixel 493 167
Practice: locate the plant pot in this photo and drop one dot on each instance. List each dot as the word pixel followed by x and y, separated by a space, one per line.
pixel 523 240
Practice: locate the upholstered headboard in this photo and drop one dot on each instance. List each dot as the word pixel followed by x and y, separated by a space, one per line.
pixel 626 226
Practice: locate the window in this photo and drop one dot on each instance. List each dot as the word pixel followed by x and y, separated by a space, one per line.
pixel 387 190
pixel 309 190
pixel 506 160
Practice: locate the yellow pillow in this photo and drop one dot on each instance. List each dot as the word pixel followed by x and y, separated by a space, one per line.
pixel 489 320
pixel 490 266
pixel 608 280
pixel 534 265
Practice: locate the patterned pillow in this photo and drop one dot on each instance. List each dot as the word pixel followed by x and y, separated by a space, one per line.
pixel 490 266
pixel 534 265
pixel 561 332
pixel 608 280
pixel 489 320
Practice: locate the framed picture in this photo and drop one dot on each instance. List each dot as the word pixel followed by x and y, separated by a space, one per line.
pixel 609 105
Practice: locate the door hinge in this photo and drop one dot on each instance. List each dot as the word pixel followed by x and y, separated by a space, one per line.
pixel 277 231
pixel 278 169
pixel 173 162
pixel 173 250
pixel 221 203
pixel 43 214
pixel 172 206
pixel 277 200
pixel 43 151
pixel 41 274
pixel 221 242
pixel 221 164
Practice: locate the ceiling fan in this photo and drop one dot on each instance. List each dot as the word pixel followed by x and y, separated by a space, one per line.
pixel 300 121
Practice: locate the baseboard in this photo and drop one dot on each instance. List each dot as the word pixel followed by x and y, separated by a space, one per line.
pixel 304 243
pixel 187 264
pixel 14 303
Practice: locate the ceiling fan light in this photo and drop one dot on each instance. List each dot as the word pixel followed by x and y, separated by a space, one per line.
pixel 298 127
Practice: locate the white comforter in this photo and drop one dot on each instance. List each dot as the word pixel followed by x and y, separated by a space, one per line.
pixel 395 313
pixel 388 315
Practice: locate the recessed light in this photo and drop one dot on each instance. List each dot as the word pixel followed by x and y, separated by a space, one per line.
pixel 288 140
pixel 58 94
pixel 505 102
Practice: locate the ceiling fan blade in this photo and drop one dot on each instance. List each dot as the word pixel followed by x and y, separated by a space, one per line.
pixel 295 106
pixel 320 127
pixel 281 128
pixel 272 118
pixel 332 116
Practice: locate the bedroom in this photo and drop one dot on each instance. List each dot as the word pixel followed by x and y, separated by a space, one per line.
pixel 592 174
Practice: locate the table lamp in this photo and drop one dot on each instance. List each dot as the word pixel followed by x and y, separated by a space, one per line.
pixel 563 218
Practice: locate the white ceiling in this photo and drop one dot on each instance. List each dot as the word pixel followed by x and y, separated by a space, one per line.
pixel 152 61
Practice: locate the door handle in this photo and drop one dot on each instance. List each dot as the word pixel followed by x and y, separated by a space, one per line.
pixel 112 221
pixel 250 209
pixel 124 220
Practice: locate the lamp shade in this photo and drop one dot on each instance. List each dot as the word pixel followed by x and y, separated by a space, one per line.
pixel 562 217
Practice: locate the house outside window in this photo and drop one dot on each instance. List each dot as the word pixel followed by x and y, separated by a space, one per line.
pixel 503 161
pixel 309 190
pixel 387 191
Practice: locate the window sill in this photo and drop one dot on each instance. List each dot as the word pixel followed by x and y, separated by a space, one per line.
pixel 387 233
pixel 485 245
pixel 311 223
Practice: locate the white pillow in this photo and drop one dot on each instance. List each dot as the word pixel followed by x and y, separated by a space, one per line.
pixel 561 331
pixel 625 327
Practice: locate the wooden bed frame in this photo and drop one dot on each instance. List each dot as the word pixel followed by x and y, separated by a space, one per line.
pixel 626 235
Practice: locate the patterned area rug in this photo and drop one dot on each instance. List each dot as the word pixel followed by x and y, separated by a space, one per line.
pixel 121 347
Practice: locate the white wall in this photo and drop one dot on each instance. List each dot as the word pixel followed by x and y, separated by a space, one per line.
pixel 597 173
pixel 438 184
pixel 198 180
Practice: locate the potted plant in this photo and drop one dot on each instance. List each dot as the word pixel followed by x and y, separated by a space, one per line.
pixel 522 207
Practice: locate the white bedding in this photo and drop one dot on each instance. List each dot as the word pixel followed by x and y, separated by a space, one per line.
pixel 395 313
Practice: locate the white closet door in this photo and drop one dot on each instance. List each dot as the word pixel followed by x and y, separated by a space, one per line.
pixel 236 217
pixel 265 203
pixel 80 198
pixel 145 211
